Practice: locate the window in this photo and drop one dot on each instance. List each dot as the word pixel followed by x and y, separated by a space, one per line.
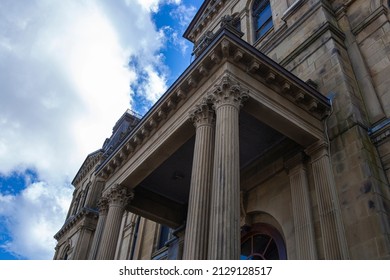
pixel 262 17
pixel 164 236
pixel 263 242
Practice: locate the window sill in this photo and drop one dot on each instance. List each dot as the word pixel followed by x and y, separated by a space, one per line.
pixel 258 41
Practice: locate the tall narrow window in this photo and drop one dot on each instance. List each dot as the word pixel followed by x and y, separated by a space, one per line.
pixel 262 17
pixel 164 236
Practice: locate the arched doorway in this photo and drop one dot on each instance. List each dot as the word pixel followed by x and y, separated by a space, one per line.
pixel 263 242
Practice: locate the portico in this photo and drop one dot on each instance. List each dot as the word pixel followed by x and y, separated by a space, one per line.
pixel 183 163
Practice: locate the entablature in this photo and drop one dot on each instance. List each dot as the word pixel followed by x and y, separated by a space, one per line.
pixel 205 15
pixel 73 220
pixel 225 46
pixel 88 165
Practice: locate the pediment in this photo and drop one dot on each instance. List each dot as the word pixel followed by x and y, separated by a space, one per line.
pixel 205 15
pixel 89 163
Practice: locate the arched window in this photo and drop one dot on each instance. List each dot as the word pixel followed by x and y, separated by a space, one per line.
pixel 263 242
pixel 262 17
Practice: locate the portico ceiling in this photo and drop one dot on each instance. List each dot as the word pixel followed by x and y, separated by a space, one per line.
pixel 172 178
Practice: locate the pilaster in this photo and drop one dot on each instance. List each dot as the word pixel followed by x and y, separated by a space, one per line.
pixel 303 223
pixel 332 229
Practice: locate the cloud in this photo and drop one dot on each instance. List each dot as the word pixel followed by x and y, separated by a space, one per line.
pixel 31 217
pixel 65 80
pixel 153 5
pixel 183 14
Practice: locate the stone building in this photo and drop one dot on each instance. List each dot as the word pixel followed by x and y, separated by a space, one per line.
pixel 273 144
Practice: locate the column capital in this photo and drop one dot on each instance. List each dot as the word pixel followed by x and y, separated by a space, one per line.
pixel 103 205
pixel 119 196
pixel 202 115
pixel 293 162
pixel 317 150
pixel 227 92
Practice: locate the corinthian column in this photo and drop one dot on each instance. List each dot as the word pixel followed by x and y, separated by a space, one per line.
pixel 197 229
pixel 117 200
pixel 103 209
pixel 224 238
pixel 332 229
pixel 303 224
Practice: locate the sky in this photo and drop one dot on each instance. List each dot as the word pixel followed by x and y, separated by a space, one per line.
pixel 68 71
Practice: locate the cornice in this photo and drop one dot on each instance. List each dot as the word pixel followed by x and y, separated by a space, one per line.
pixel 380 133
pixel 73 220
pixel 225 46
pixel 89 163
pixel 205 14
pixel 370 19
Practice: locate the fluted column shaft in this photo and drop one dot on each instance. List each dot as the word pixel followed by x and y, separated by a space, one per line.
pixel 197 229
pixel 117 200
pixel 332 229
pixel 103 209
pixel 303 224
pixel 224 238
pixel 94 193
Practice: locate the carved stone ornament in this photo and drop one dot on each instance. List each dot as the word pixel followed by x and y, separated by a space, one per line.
pixel 202 114
pixel 203 42
pixel 103 205
pixel 227 92
pixel 119 196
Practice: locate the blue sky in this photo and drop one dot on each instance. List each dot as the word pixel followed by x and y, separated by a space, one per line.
pixel 69 70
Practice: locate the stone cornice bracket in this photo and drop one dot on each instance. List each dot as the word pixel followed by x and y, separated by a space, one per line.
pixel 214 56
pixel 181 94
pixel 227 92
pixel 202 114
pixel 119 196
pixel 225 46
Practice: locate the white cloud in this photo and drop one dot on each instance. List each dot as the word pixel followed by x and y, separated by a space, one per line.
pixel 64 83
pixel 31 217
pixel 183 14
pixel 155 85
pixel 153 5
